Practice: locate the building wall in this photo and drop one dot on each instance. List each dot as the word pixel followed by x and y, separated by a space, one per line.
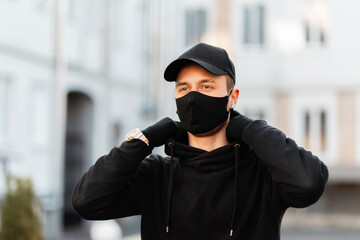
pixel 312 84
pixel 291 74
pixel 102 56
pixel 300 75
pixel 116 52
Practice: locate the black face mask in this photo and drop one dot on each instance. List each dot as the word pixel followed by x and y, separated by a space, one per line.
pixel 200 113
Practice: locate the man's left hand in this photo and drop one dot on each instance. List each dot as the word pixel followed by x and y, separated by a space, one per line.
pixel 236 127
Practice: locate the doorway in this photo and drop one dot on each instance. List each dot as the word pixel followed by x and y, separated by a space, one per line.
pixel 79 125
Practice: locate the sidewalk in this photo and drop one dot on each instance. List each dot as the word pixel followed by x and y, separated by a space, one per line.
pixel 288 235
pixel 285 235
pixel 132 237
pixel 83 232
pixel 302 235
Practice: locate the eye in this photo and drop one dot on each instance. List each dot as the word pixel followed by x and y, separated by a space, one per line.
pixel 206 87
pixel 182 89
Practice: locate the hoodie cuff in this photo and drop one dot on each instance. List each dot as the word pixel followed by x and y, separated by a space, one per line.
pixel 249 133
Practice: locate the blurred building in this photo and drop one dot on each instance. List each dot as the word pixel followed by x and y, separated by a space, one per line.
pixel 73 81
pixel 296 64
pixel 297 68
pixel 75 76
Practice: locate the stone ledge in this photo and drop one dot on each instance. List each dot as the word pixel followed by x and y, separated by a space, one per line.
pixel 299 219
pixel 344 175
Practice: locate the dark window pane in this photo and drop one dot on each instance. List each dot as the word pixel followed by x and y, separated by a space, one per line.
pixel 254 25
pixel 261 25
pixel 307 31
pixel 307 130
pixel 246 25
pixel 195 26
pixel 323 130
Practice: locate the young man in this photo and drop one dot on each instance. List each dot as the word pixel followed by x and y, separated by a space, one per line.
pixel 226 177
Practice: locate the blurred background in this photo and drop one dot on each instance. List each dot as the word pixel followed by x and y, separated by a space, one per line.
pixel 76 76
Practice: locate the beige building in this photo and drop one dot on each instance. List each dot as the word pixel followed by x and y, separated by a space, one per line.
pixel 296 67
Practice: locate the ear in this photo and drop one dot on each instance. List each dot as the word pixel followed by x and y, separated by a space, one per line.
pixel 233 99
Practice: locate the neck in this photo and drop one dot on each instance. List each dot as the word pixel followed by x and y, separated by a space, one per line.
pixel 209 142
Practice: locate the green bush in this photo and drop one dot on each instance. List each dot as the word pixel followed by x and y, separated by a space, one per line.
pixel 19 218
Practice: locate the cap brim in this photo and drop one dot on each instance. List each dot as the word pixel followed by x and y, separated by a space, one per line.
pixel 172 71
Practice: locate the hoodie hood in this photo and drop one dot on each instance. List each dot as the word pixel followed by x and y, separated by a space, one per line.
pixel 202 161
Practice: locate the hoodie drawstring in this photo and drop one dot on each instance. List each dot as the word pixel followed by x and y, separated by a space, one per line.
pixel 170 186
pixel 237 146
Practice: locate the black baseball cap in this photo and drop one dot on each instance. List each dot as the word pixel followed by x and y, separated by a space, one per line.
pixel 213 59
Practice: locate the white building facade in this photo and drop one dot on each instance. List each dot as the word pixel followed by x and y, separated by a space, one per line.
pixel 72 82
pixel 296 67
pixel 75 76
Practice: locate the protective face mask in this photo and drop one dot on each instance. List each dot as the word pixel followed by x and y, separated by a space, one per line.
pixel 200 113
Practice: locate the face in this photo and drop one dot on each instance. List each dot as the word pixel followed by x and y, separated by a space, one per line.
pixel 196 78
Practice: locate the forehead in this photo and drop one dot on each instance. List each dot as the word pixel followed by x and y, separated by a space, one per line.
pixel 194 73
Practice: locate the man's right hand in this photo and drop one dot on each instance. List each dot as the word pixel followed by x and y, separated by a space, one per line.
pixel 161 131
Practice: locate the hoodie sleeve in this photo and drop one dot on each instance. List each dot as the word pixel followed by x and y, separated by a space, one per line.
pixel 109 189
pixel 299 176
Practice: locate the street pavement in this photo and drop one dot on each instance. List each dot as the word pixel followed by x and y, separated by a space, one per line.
pixel 320 235
pixel 304 235
pixel 131 227
pixel 285 235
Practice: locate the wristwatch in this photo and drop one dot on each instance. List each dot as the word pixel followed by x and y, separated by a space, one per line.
pixel 136 134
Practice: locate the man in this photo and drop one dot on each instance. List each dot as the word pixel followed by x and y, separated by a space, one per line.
pixel 226 177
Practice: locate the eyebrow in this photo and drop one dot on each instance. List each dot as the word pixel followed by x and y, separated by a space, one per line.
pixel 208 81
pixel 202 81
pixel 181 83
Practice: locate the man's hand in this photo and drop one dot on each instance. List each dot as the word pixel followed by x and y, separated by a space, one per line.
pixel 236 127
pixel 161 131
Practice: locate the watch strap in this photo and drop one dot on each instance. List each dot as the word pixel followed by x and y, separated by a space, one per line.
pixel 136 134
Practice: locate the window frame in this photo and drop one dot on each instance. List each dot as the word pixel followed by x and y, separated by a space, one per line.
pixel 253 15
pixel 190 40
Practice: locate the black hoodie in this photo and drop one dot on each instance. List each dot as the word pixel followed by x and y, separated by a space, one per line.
pixel 205 196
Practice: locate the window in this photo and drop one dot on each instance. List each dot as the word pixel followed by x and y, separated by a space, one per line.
pixel 72 9
pixel 307 130
pixel 323 123
pixel 115 134
pixel 315 21
pixel 315 126
pixel 39 121
pixel 254 25
pixel 195 26
pixel 44 6
pixel 119 24
pixel 96 15
pixel 4 104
